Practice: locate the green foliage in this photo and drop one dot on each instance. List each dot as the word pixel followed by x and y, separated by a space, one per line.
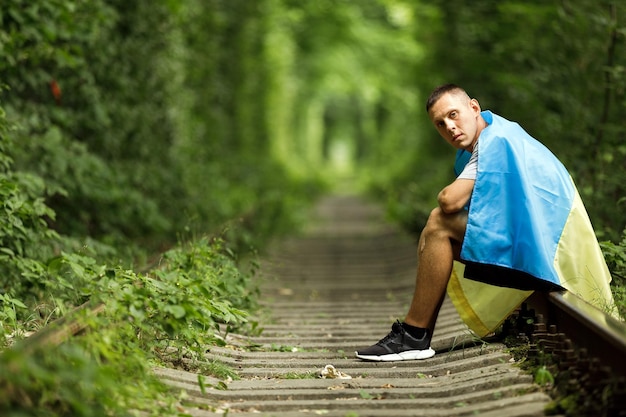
pixel 89 197
pixel 615 255
pixel 365 395
pixel 300 375
pixel 25 242
pixel 95 375
pixel 142 118
pixel 168 315
pixel 44 385
pixel 219 370
pixel 568 405
pixel 183 302
pixel 57 99
pixel 355 65
pixel 23 209
pixel 543 376
pixel 566 87
pixel 126 130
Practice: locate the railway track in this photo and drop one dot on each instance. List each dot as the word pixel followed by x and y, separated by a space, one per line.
pixel 337 288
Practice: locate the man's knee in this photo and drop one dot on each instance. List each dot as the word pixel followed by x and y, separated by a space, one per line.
pixel 436 219
pixel 452 224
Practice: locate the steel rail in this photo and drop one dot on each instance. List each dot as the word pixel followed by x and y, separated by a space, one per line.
pixel 61 329
pixel 584 345
pixel 588 327
pixel 598 332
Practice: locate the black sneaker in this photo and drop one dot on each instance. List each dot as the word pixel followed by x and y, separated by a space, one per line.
pixel 398 345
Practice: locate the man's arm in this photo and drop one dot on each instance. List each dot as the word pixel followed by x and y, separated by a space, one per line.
pixel 456 195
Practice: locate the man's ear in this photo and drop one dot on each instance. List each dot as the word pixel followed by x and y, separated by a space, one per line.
pixel 475 105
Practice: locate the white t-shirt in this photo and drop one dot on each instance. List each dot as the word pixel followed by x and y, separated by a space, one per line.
pixel 469 172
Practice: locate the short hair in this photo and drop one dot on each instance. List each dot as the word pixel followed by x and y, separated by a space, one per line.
pixel 440 91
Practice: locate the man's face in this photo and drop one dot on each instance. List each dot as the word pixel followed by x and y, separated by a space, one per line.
pixel 456 118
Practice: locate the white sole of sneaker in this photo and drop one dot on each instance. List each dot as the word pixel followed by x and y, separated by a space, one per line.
pixel 403 356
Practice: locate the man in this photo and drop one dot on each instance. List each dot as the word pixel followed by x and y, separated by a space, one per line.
pixel 509 216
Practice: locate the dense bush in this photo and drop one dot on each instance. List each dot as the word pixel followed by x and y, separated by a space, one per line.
pixel 169 315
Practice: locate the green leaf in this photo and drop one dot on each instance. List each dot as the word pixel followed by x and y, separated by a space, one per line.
pixel 7 251
pixel 543 376
pixel 201 383
pixel 137 313
pixel 365 395
pixel 176 310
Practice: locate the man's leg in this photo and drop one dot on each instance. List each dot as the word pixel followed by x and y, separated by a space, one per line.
pixel 438 246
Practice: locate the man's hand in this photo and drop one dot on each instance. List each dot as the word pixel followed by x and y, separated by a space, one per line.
pixel 456 195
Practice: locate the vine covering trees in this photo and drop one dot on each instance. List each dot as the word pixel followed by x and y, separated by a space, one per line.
pixel 130 112
pixel 128 126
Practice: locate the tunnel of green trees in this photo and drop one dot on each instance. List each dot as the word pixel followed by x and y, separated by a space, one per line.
pixel 127 127
pixel 142 118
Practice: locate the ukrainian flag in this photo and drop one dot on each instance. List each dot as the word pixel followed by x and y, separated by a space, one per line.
pixel 527 230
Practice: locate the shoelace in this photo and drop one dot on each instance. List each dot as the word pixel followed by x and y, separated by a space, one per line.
pixel 396 328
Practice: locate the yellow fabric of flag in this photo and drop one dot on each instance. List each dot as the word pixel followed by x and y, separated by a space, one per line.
pixel 579 263
pixel 482 307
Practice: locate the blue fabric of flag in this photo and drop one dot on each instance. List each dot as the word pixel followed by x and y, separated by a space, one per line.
pixel 520 203
pixel 527 230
